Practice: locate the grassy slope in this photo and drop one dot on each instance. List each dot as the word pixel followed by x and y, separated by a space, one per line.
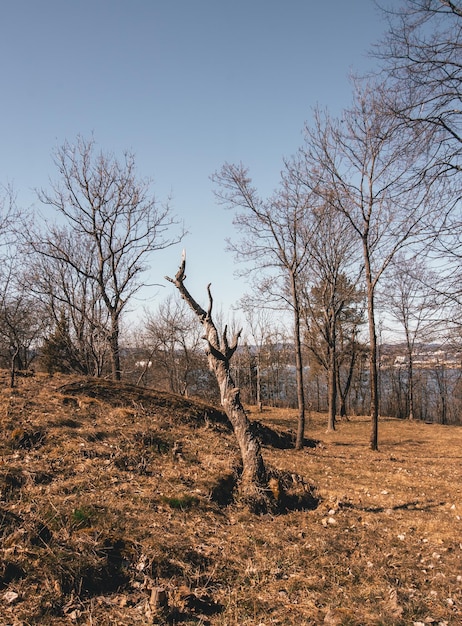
pixel 105 497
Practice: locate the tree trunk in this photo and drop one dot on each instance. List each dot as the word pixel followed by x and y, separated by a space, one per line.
pixel 254 478
pixel 254 490
pixel 373 372
pixel 14 354
pixel 410 376
pixel 258 390
pixel 373 369
pixel 343 393
pixel 332 387
pixel 115 348
pixel 411 414
pixel 342 412
pixel 374 440
pixel 298 369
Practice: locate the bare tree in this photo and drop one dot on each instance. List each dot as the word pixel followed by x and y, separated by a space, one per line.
pixel 79 320
pixel 422 61
pixel 349 348
pixel 21 321
pixel 275 240
pixel 364 166
pixel 263 367
pixel 172 339
pixel 260 330
pixel 254 480
pixel 421 57
pixel 329 305
pixel 105 205
pixel 20 318
pixel 410 300
pixel 328 292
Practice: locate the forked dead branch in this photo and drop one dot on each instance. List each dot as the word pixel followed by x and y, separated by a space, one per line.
pixel 254 487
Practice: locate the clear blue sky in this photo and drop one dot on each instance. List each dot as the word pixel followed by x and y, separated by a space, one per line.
pixel 186 85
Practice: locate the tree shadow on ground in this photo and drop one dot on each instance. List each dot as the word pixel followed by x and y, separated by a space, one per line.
pixel 405 506
pixel 282 440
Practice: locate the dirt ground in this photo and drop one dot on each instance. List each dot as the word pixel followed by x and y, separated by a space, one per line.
pixel 116 508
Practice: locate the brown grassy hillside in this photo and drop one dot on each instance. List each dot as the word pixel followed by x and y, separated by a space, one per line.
pixel 114 500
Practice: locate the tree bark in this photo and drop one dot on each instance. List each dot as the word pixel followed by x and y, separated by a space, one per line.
pixel 115 348
pixel 343 393
pixel 373 365
pixel 14 354
pixel 298 368
pixel 374 386
pixel 332 383
pixel 254 489
pixel 410 373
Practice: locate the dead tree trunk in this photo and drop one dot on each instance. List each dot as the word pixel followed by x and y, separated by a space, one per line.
pixel 254 489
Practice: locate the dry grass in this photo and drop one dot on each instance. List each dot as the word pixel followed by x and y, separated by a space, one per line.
pixel 106 497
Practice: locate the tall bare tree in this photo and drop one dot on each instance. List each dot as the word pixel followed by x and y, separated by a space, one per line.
pixel 275 245
pixel 328 291
pixel 365 167
pixel 103 202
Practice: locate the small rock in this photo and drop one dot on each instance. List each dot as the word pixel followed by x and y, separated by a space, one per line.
pixel 10 597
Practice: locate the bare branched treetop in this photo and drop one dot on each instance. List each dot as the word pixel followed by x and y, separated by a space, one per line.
pixel 112 212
